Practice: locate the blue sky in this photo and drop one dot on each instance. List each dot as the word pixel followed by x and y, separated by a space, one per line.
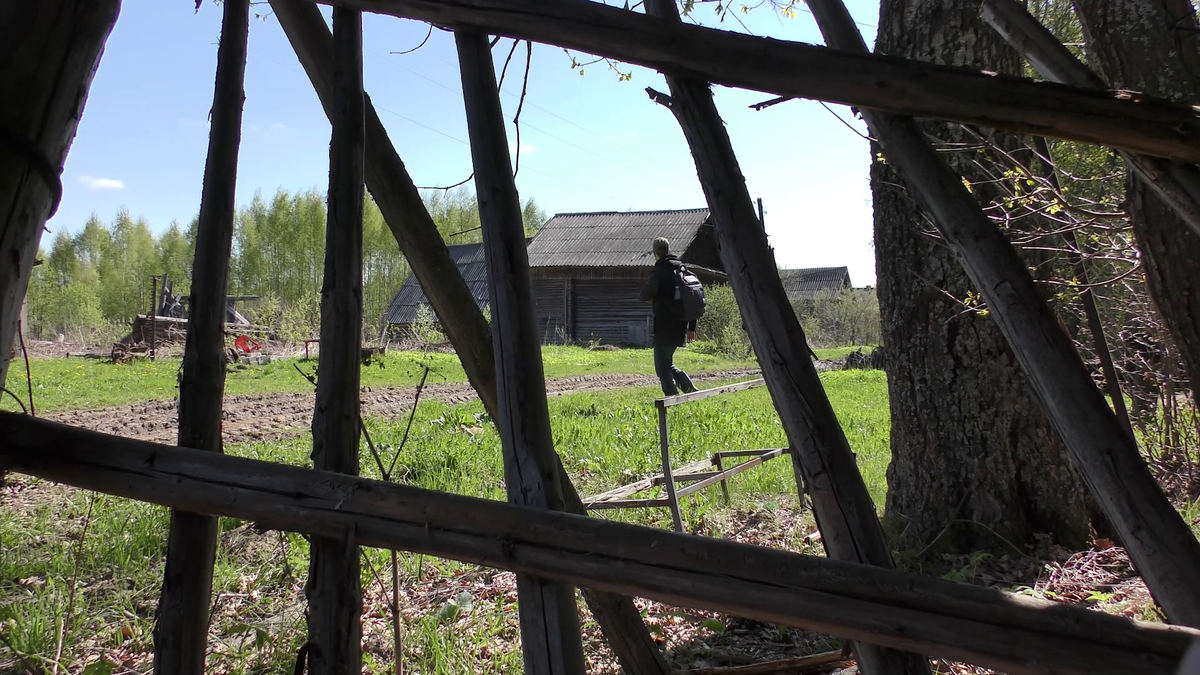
pixel 589 142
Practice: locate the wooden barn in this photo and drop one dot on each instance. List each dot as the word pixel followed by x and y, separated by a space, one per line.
pixel 803 284
pixel 587 270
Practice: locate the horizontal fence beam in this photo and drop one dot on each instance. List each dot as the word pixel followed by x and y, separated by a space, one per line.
pixel 896 609
pixel 668 401
pixel 1125 120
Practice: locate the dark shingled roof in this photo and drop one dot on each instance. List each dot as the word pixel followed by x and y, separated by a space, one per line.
pixel 805 283
pixel 612 239
pixel 472 266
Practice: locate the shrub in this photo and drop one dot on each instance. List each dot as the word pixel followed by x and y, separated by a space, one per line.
pixel 840 318
pixel 720 329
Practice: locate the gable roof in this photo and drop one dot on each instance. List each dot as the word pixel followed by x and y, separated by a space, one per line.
pixel 805 283
pixel 471 264
pixel 614 238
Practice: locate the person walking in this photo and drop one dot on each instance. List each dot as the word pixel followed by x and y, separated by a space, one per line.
pixel 670 331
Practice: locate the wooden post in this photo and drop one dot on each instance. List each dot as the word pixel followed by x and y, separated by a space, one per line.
pixel 719 462
pixel 664 447
pixel 423 246
pixel 821 455
pixel 1178 185
pixel 1125 120
pixel 1161 545
pixel 550 637
pixel 154 277
pixel 333 589
pixel 181 625
pixel 50 51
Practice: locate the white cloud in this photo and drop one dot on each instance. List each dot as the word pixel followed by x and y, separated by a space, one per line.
pixel 93 183
pixel 526 149
pixel 278 125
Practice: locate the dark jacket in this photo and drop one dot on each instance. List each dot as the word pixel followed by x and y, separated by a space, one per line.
pixel 660 291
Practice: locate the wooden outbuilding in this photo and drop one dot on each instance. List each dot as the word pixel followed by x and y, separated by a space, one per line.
pixel 805 284
pixel 587 270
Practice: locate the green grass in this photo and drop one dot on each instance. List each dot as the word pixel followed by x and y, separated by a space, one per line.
pixel 840 353
pixel 606 440
pixel 78 383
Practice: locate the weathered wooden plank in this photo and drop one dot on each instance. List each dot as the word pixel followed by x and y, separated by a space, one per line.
pixel 720 476
pixel 1165 551
pixel 668 401
pixel 821 456
pixel 668 480
pixel 1121 119
pixel 630 504
pixel 181 625
pixel 50 51
pixel 1011 633
pixel 1178 185
pixel 550 639
pixel 400 203
pixel 334 589
pixel 643 484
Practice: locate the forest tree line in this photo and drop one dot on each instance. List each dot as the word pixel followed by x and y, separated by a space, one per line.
pixel 91 284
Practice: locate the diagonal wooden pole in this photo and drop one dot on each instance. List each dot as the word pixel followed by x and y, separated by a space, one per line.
pixel 333 589
pixel 421 244
pixel 550 638
pixel 821 455
pixel 1163 548
pixel 181 625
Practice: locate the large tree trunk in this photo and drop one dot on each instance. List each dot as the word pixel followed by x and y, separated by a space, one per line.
pixel 975 464
pixel 1151 47
pixel 50 51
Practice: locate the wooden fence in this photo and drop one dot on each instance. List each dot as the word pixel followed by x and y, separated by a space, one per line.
pixel 895 618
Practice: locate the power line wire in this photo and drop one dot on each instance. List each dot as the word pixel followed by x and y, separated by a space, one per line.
pixel 527 167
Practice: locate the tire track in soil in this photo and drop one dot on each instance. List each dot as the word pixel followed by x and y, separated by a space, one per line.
pixel 269 417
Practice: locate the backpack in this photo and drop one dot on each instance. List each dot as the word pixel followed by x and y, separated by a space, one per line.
pixel 689 295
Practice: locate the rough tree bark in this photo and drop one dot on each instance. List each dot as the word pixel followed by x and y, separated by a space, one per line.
pixel 975 465
pixel 333 589
pixel 1152 47
pixel 1157 538
pixel 50 51
pixel 181 626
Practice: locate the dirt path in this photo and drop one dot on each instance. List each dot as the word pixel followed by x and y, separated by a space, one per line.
pixel 266 417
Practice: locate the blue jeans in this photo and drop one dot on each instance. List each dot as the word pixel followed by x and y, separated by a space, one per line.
pixel 668 374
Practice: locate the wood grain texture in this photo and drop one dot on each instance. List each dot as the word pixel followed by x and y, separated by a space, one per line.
pixel 181 625
pixel 400 203
pixel 1161 545
pixel 1178 185
pixel 334 589
pixel 1121 119
pixel 1011 633
pixel 50 51
pixel 550 638
pixel 422 245
pixel 821 455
